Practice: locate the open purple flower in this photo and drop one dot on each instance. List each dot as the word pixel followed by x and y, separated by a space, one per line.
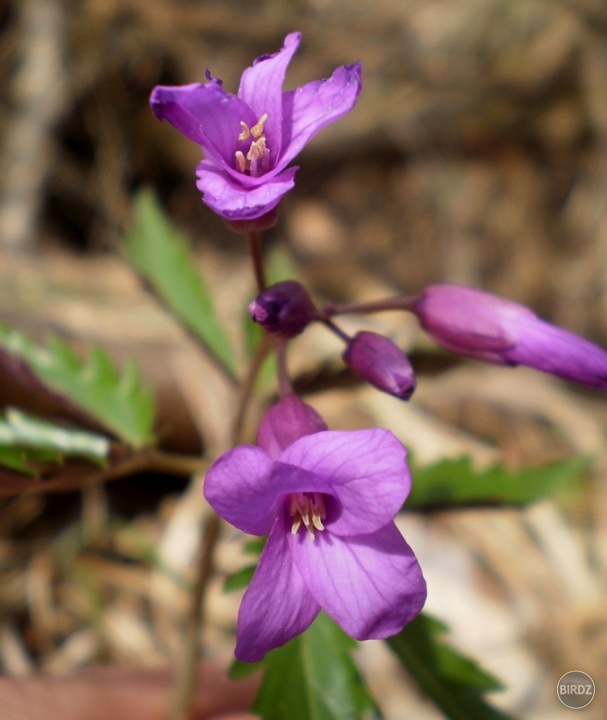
pixel 248 139
pixel 487 327
pixel 328 501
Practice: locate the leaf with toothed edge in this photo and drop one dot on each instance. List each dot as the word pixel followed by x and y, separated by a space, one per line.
pixel 160 255
pixel 455 683
pixel 117 400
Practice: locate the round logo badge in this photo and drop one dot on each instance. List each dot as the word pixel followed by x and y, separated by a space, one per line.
pixel 575 689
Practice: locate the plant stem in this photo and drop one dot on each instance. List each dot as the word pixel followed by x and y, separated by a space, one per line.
pixel 181 708
pixel 185 682
pixel 246 388
pixel 334 328
pixel 256 250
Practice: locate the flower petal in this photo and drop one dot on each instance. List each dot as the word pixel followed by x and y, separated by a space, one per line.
pixel 553 350
pixel 261 88
pixel 241 200
pixel 365 469
pixel 276 606
pixel 240 487
pixel 246 487
pixel 308 109
pixel 372 585
pixel 206 114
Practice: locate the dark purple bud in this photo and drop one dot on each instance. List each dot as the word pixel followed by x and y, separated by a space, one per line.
pixel 284 308
pixel 382 363
pixel 477 324
pixel 286 422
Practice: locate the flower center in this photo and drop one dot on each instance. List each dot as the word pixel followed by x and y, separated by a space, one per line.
pixel 309 509
pixel 255 162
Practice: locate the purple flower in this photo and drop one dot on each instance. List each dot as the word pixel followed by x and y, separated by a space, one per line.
pixel 248 139
pixel 487 327
pixel 328 501
pixel 382 363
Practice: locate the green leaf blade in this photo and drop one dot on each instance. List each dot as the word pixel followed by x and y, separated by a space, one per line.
pixel 455 683
pixel 452 483
pixel 160 254
pixel 313 677
pixel 123 406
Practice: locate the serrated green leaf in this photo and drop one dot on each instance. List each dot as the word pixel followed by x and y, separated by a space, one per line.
pixel 160 254
pixel 455 683
pixel 313 677
pixel 119 402
pixel 456 482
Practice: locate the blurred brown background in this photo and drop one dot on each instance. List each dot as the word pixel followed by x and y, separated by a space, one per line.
pixel 477 154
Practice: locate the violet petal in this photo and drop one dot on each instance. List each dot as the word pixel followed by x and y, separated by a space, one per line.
pixel 277 605
pixel 205 114
pixel 240 487
pixel 366 471
pixel 261 88
pixel 244 200
pixel 246 487
pixel 308 109
pixel 372 585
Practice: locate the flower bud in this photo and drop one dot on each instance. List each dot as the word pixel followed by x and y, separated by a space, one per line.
pixel 284 308
pixel 477 324
pixel 286 422
pixel 382 363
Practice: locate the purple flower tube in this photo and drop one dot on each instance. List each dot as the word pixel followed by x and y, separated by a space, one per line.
pixel 487 327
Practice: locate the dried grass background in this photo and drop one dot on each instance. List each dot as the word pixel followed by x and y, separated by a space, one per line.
pixel 477 154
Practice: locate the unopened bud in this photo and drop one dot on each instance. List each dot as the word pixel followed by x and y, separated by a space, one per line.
pixel 284 308
pixel 380 362
pixel 484 326
pixel 285 422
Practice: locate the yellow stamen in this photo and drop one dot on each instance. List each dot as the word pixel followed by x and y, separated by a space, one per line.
pixel 244 135
pixel 257 129
pixel 309 509
pixel 241 162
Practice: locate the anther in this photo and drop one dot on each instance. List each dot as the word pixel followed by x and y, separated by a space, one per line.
pixel 244 135
pixel 241 162
pixel 257 129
